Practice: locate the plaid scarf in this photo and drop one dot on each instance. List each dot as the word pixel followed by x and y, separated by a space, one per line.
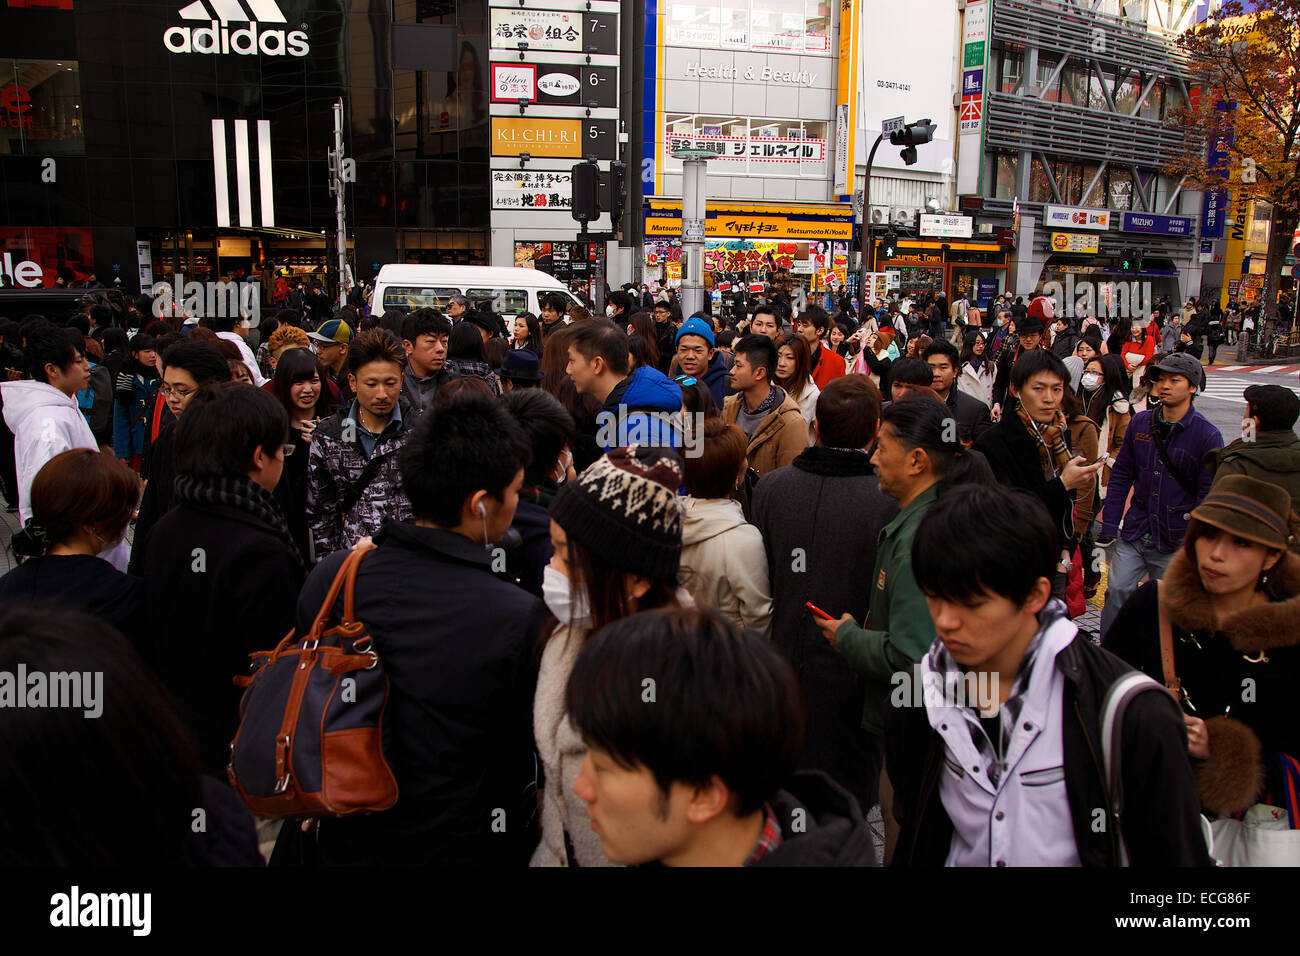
pixel 769 840
pixel 1052 453
pixel 951 674
pixel 242 493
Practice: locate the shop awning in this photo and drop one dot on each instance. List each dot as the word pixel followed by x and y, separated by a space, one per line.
pixel 735 220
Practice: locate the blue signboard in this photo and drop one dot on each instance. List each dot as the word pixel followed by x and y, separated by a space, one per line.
pixel 986 290
pixel 1155 225
pixel 972 82
pixel 1214 205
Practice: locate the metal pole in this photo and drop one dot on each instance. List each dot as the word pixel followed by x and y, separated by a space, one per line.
pixel 693 212
pixel 337 170
pixel 867 252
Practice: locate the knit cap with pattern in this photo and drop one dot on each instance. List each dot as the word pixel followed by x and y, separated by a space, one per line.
pixel 624 509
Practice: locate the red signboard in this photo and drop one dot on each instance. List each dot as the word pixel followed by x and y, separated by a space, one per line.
pixel 33 257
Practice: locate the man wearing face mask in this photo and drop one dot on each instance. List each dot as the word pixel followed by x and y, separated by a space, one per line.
pixel 551 432
pixel 619 307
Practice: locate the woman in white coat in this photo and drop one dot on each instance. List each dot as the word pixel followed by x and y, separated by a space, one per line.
pixel 724 562
pixel 977 375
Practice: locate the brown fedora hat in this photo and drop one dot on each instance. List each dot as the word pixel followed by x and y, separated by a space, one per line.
pixel 1249 508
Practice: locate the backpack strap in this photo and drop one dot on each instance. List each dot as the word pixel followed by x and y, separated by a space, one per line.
pixel 1113 709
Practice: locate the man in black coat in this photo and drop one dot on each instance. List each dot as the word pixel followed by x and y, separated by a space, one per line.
pixel 820 517
pixel 1029 331
pixel 458 646
pixel 222 570
pixel 1020 451
pixel 971 415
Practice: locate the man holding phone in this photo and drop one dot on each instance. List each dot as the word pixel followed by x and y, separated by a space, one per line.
pixel 1029 449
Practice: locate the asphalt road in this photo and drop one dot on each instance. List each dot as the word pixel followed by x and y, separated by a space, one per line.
pixel 1222 403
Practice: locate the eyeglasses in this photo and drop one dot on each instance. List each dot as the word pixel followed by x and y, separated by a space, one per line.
pixel 168 391
pixel 684 380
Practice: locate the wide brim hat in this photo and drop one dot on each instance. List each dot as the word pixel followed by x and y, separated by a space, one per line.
pixel 1256 510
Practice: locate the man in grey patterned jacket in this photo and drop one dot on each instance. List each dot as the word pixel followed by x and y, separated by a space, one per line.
pixel 353 481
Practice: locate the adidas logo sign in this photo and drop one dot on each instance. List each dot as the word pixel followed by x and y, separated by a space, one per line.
pixel 231 30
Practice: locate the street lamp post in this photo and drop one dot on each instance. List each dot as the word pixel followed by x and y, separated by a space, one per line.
pixel 694 202
pixel 866 249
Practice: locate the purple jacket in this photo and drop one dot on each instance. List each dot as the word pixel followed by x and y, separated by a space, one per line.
pixel 1161 505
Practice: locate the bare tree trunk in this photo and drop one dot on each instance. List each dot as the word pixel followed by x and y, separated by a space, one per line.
pixel 1279 247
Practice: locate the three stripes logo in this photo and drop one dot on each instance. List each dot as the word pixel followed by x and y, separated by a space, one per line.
pixel 230 29
pixel 237 144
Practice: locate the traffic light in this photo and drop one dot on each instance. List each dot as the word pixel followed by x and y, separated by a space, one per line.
pixel 1126 261
pixel 586 192
pixel 911 136
pixel 889 246
pixel 617 195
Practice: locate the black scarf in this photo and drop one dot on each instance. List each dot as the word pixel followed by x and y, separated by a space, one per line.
pixel 242 493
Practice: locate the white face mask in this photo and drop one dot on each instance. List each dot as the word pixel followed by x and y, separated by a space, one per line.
pixel 609 311
pixel 1091 381
pixel 557 592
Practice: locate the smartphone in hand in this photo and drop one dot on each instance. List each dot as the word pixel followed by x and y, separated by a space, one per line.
pixel 818 611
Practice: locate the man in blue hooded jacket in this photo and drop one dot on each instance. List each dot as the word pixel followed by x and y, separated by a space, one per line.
pixel 638 408
pixel 699 359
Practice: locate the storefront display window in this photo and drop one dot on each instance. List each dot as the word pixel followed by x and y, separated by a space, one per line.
pixel 1005 183
pixel 749 146
pixel 915 280
pixel 795 26
pixel 40 108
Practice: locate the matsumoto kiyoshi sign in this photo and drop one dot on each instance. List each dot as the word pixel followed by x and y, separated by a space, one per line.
pixel 228 28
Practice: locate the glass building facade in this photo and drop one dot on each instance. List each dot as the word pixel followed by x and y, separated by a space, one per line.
pixel 202 128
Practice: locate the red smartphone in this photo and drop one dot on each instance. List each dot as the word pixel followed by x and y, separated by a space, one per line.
pixel 818 611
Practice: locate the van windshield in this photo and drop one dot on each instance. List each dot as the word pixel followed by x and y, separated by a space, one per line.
pixel 500 301
pixel 408 297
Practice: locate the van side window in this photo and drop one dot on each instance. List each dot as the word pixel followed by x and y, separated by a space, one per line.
pixel 407 297
pixel 501 301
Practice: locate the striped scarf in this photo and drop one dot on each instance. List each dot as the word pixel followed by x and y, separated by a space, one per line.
pixel 1052 453
pixel 242 493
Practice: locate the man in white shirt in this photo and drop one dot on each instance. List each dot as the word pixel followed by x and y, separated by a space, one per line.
pixel 235 329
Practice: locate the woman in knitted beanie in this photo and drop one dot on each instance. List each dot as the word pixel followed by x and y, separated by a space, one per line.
pixel 617 534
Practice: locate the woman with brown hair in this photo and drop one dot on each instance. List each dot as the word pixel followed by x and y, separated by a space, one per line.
pixel 641 323
pixel 82 501
pixel 583 408
pixel 1230 604
pixel 794 373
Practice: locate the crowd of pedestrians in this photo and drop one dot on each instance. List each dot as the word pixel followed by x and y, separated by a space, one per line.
pixel 653 588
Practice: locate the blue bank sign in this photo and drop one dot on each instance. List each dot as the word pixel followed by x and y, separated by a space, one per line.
pixel 1155 225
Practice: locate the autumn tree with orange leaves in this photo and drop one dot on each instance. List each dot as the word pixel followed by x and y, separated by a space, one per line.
pixel 1251 60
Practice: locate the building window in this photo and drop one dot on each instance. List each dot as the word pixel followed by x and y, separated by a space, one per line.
pixel 749 146
pixel 40 108
pixel 1004 184
pixel 1040 188
pixel 1097 196
pixel 1121 188
pixel 1126 96
pixel 1013 64
pixel 794 26
pixel 1261 222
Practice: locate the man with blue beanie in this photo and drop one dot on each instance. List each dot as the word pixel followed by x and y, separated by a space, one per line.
pixel 698 358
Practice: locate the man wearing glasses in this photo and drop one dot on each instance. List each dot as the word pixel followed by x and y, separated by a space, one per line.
pixel 186 367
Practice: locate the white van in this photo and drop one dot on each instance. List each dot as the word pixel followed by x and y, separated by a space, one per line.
pixel 510 291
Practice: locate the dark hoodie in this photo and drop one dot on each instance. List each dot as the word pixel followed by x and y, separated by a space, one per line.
pixel 821 825
pixel 716 377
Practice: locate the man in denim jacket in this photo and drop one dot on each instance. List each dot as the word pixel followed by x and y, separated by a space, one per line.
pixel 1162 485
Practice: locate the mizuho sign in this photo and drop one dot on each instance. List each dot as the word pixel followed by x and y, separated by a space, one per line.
pixel 230 30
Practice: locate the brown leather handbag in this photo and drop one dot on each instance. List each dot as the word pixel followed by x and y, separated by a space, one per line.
pixel 311 733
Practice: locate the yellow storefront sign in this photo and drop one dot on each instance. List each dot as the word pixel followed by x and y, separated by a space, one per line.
pixel 725 226
pixel 1075 242
pixel 541 138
